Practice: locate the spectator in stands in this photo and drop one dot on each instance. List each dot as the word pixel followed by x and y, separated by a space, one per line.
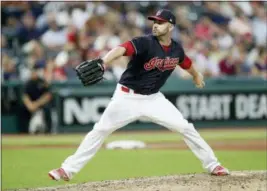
pixel 202 58
pixel 73 61
pixel 260 66
pixel 28 31
pixel 88 34
pixel 11 27
pixel 9 68
pixel 5 49
pixel 225 40
pixel 37 56
pixel 240 24
pixel 34 55
pixel 259 27
pixel 91 28
pixel 204 29
pixel 54 38
pixel 36 100
pixel 228 66
pixel 214 57
pixel 239 53
pixel 58 72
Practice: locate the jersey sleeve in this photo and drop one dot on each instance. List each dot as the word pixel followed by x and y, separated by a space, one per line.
pixel 129 48
pixel 184 61
pixel 140 45
pixel 186 64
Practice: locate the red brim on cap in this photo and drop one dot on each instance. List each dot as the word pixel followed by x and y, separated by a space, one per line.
pixel 156 18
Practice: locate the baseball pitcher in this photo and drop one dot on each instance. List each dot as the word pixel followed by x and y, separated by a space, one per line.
pixel 137 95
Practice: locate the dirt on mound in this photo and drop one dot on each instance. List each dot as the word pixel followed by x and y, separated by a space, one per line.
pixel 237 181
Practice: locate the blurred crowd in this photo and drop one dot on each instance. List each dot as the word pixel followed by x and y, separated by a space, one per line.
pixel 222 38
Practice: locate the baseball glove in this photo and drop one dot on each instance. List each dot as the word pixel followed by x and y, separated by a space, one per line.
pixel 90 71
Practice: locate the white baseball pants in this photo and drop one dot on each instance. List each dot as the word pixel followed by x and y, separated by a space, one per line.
pixel 125 108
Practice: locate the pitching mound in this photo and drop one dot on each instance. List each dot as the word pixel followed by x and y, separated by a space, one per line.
pixel 237 181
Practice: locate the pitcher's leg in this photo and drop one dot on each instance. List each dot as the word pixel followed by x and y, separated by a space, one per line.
pixel 87 149
pixel 199 147
pixel 163 112
pixel 117 114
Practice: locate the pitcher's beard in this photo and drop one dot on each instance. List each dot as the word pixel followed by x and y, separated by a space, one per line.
pixel 155 33
pixel 158 34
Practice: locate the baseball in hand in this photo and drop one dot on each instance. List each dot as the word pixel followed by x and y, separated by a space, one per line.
pixel 199 80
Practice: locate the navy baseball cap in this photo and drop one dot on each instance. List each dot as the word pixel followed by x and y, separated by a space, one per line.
pixel 164 15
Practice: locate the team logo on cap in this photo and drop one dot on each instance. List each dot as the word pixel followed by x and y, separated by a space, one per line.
pixel 159 13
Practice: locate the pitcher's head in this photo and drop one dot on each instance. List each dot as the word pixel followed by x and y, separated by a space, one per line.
pixel 164 22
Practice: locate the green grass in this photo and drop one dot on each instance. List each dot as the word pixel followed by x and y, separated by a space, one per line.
pixel 30 167
pixel 239 134
pixel 27 168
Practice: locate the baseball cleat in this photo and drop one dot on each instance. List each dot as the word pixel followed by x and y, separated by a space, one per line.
pixel 220 171
pixel 59 174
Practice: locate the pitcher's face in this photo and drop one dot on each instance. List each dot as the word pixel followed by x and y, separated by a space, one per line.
pixel 161 28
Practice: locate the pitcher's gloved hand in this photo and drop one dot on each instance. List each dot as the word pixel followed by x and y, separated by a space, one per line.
pixel 90 71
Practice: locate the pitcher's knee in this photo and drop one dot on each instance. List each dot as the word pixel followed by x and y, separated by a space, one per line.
pixel 188 127
pixel 103 129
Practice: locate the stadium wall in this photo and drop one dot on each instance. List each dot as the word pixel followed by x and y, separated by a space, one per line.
pixel 224 102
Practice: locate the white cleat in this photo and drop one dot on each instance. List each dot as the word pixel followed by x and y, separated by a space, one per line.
pixel 220 171
pixel 59 174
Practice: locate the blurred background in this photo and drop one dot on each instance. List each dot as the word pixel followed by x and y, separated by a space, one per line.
pixel 41 43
